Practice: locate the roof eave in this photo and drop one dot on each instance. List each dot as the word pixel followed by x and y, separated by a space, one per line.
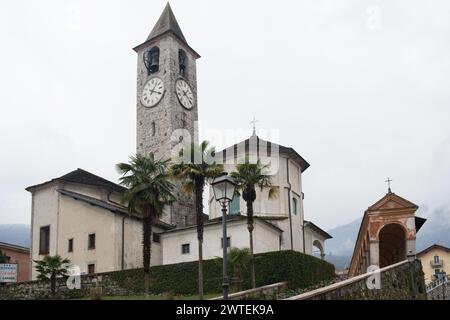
pixel 150 41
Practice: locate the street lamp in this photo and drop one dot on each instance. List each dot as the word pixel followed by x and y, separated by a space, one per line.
pixel 224 188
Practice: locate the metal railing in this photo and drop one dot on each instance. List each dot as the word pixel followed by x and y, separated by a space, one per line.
pixel 437 283
pixel 270 289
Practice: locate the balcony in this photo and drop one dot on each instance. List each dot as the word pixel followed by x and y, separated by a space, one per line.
pixel 436 263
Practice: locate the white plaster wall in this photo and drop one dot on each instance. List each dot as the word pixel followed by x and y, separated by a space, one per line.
pixel 133 245
pixel 90 191
pixel 279 206
pixel 94 192
pixel 310 237
pixel 79 219
pixel 427 257
pixel 265 239
pixel 45 213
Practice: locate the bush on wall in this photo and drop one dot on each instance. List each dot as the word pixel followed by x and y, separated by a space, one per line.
pixel 299 270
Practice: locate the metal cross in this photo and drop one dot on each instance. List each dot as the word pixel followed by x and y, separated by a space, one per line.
pixel 389 184
pixel 254 125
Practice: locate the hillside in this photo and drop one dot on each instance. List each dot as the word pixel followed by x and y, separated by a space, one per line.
pixel 18 234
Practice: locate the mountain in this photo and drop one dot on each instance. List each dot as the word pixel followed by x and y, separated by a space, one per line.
pixel 436 229
pixel 339 249
pixel 18 234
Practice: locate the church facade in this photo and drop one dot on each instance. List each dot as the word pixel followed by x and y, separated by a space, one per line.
pixel 80 215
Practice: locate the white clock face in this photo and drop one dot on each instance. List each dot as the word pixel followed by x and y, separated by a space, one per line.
pixel 184 94
pixel 153 92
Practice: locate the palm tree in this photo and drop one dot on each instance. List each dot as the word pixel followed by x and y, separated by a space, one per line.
pixel 195 170
pixel 50 268
pixel 238 259
pixel 149 190
pixel 248 176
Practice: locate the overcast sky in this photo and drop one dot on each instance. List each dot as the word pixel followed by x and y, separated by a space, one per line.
pixel 361 89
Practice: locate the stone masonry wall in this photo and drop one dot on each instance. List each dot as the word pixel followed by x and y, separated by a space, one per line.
pixel 41 289
pixel 396 284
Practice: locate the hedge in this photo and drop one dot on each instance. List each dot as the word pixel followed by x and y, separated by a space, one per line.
pixel 299 270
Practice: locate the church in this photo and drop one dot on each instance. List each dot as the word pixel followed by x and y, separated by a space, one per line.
pixel 80 215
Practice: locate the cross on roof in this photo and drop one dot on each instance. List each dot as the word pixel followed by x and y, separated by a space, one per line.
pixel 254 121
pixel 389 180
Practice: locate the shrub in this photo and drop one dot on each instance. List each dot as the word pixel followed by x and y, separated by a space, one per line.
pixel 299 270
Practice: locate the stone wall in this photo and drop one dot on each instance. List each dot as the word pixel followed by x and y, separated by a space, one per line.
pixel 41 289
pixel 401 281
pixel 299 270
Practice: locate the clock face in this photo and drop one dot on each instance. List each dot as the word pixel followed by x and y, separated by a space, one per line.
pixel 153 92
pixel 184 94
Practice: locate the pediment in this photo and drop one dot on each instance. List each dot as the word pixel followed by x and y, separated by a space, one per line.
pixel 391 201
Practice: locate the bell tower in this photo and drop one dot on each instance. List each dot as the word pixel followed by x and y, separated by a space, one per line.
pixel 166 102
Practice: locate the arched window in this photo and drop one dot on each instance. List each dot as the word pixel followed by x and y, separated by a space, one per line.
pixel 294 206
pixel 151 60
pixel 235 205
pixel 182 62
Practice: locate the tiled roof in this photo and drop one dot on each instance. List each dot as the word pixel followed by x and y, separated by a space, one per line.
pixel 83 177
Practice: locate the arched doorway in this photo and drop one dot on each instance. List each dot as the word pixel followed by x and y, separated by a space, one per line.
pixel 392 244
pixel 318 245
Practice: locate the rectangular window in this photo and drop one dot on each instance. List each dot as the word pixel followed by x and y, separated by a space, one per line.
pixel 294 206
pixel 91 268
pixel 70 245
pixel 91 241
pixel 235 205
pixel 436 259
pixel 156 238
pixel 44 240
pixel 185 248
pixel 228 242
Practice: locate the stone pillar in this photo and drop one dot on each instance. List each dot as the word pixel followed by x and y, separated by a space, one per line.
pixel 410 247
pixel 374 253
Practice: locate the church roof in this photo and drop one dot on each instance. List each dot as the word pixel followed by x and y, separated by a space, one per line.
pixel 84 177
pixel 14 247
pixel 391 199
pixel 271 147
pixel 166 23
pixel 314 227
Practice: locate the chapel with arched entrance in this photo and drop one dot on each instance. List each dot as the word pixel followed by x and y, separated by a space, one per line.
pixel 387 234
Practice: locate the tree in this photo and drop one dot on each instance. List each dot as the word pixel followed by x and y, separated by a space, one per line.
pixel 248 176
pixel 196 167
pixel 50 268
pixel 237 260
pixel 149 190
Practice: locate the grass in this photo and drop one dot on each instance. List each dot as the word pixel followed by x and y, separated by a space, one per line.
pixel 156 297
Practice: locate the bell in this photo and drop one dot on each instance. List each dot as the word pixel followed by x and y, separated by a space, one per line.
pixel 151 60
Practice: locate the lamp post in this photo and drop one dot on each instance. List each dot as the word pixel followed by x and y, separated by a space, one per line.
pixel 224 188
